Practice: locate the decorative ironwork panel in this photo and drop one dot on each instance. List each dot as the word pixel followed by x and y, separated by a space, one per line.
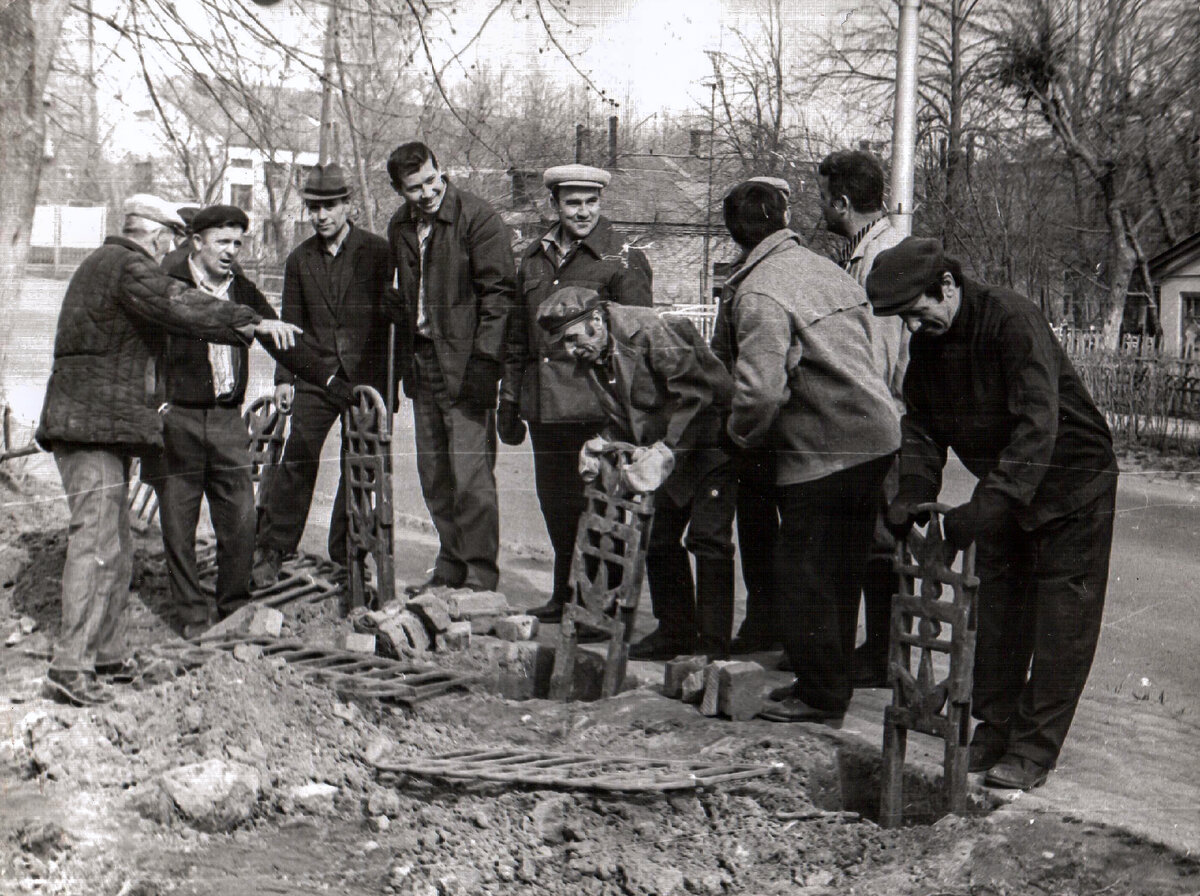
pixel 367 443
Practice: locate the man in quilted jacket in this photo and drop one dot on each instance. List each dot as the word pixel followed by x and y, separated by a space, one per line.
pixel 101 410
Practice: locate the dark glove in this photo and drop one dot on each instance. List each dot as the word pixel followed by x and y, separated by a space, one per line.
pixel 509 425
pixel 962 525
pixel 340 392
pixel 479 383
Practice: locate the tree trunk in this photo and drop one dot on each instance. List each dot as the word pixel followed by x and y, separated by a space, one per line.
pixel 1121 262
pixel 28 43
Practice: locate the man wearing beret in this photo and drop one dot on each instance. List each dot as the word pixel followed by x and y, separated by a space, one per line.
pixel 987 378
pixel 333 287
pixel 806 381
pixel 454 273
pixel 662 389
pixel 204 436
pixel 542 384
pixel 101 410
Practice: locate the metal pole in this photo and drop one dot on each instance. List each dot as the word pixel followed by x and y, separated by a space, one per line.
pixel 326 131
pixel 705 286
pixel 904 124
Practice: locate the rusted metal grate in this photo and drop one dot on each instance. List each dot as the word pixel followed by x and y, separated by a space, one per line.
pixel 367 473
pixel 575 771
pixel 357 674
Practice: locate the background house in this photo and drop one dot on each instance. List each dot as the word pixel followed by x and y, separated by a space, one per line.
pixel 1176 275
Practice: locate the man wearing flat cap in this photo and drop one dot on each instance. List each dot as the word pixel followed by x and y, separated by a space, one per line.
pixel 542 385
pixel 204 436
pixel 987 378
pixel 662 389
pixel 333 288
pixel 100 411
pixel 454 277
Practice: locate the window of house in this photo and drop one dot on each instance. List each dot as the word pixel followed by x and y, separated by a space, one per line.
pixel 1191 306
pixel 240 163
pixel 275 174
pixel 241 195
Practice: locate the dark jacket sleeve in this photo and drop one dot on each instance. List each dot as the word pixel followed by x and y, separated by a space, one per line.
pixel 151 294
pixel 292 309
pixel 922 450
pixel 690 391
pixel 493 278
pixel 516 342
pixel 632 283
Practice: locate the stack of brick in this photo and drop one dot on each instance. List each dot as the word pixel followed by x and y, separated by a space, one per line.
pixel 442 621
pixel 721 687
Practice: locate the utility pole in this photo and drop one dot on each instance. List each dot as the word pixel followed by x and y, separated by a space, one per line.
pixel 325 145
pixel 705 272
pixel 904 123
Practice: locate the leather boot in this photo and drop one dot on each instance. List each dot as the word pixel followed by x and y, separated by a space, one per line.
pixel 672 594
pixel 714 605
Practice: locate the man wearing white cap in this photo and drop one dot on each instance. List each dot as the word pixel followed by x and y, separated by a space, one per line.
pixel 101 410
pixel 542 384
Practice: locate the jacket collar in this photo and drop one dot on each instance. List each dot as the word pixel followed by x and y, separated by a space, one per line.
pixel 447 212
pixel 868 235
pixel 777 241
pixel 128 244
pixel 594 242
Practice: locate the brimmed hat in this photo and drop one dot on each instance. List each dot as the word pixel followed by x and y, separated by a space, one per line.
pixel 219 216
pixel 777 182
pixel 325 182
pixel 901 274
pixel 576 176
pixel 563 308
pixel 152 208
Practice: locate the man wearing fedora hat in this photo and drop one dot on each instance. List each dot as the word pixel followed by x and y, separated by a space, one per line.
pixel 333 287
pixel 542 385
pixel 454 272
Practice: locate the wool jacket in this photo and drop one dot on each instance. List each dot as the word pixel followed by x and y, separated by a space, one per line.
pixel 538 374
pixel 106 384
pixel 807 379
pixel 888 334
pixel 470 279
pixel 998 388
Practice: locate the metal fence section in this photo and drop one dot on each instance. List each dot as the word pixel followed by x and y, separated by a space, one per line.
pixel 703 317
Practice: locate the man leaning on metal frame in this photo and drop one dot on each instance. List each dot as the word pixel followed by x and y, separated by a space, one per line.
pixel 333 287
pixel 851 187
pixel 204 436
pixel 987 378
pixel 100 411
pixel 805 378
pixel 663 390
pixel 542 385
pixel 453 262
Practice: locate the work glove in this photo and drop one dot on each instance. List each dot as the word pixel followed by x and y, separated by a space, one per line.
pixel 509 425
pixel 902 512
pixel 648 468
pixel 589 458
pixel 961 525
pixel 479 383
pixel 340 392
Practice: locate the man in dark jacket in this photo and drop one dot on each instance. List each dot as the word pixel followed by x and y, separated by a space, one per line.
pixel 204 436
pixel 987 377
pixel 333 285
pixel 455 279
pixel 542 384
pixel 100 411
pixel 663 390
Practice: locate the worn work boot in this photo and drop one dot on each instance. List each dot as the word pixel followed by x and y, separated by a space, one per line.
pixel 75 688
pixel 660 645
pixel 1016 773
pixel 265 572
pixel 549 612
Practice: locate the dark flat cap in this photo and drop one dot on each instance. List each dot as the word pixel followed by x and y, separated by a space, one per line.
pixel 901 274
pixel 565 307
pixel 219 216
pixel 325 182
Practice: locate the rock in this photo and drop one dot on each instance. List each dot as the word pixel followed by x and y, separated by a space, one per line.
pixel 267 622
pixel 677 670
pixel 247 653
pixel 235 625
pixel 380 823
pixel 314 798
pixel 214 795
pixel 432 609
pixel 384 802
pixel 357 642
pixel 390 638
pixel 523 669
pixel 548 817
pixel 692 689
pixel 42 839
pixel 27 625
pixel 456 637
pixel 469 604
pixel 482 625
pixel 193 717
pixel 13 639
pixel 516 628
pixel 414 631
pixel 712 687
pixel 740 695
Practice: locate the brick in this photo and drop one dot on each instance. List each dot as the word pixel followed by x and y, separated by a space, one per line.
pixel 516 628
pixel 482 625
pixel 433 610
pixel 456 637
pixel 414 631
pixel 523 669
pixel 267 622
pixel 469 604
pixel 314 798
pixel 740 694
pixel 390 639
pixel 677 670
pixel 357 642
pixel 692 689
pixel 712 687
pixel 247 653
pixel 236 624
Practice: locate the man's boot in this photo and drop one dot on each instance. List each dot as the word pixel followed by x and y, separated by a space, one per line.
pixel 714 605
pixel 672 595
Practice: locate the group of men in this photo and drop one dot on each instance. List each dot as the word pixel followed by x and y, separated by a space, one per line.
pixel 812 417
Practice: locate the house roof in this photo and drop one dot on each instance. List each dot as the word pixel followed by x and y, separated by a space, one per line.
pixel 1175 257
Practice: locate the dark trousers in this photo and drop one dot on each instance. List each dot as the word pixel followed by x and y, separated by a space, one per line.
pixel 291 488
pixel 758 530
pixel 820 559
pixel 456 462
pixel 204 456
pixel 556 448
pixel 881 582
pixel 682 606
pixel 1041 598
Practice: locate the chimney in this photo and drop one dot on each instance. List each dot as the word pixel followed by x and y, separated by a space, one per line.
pixel 612 141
